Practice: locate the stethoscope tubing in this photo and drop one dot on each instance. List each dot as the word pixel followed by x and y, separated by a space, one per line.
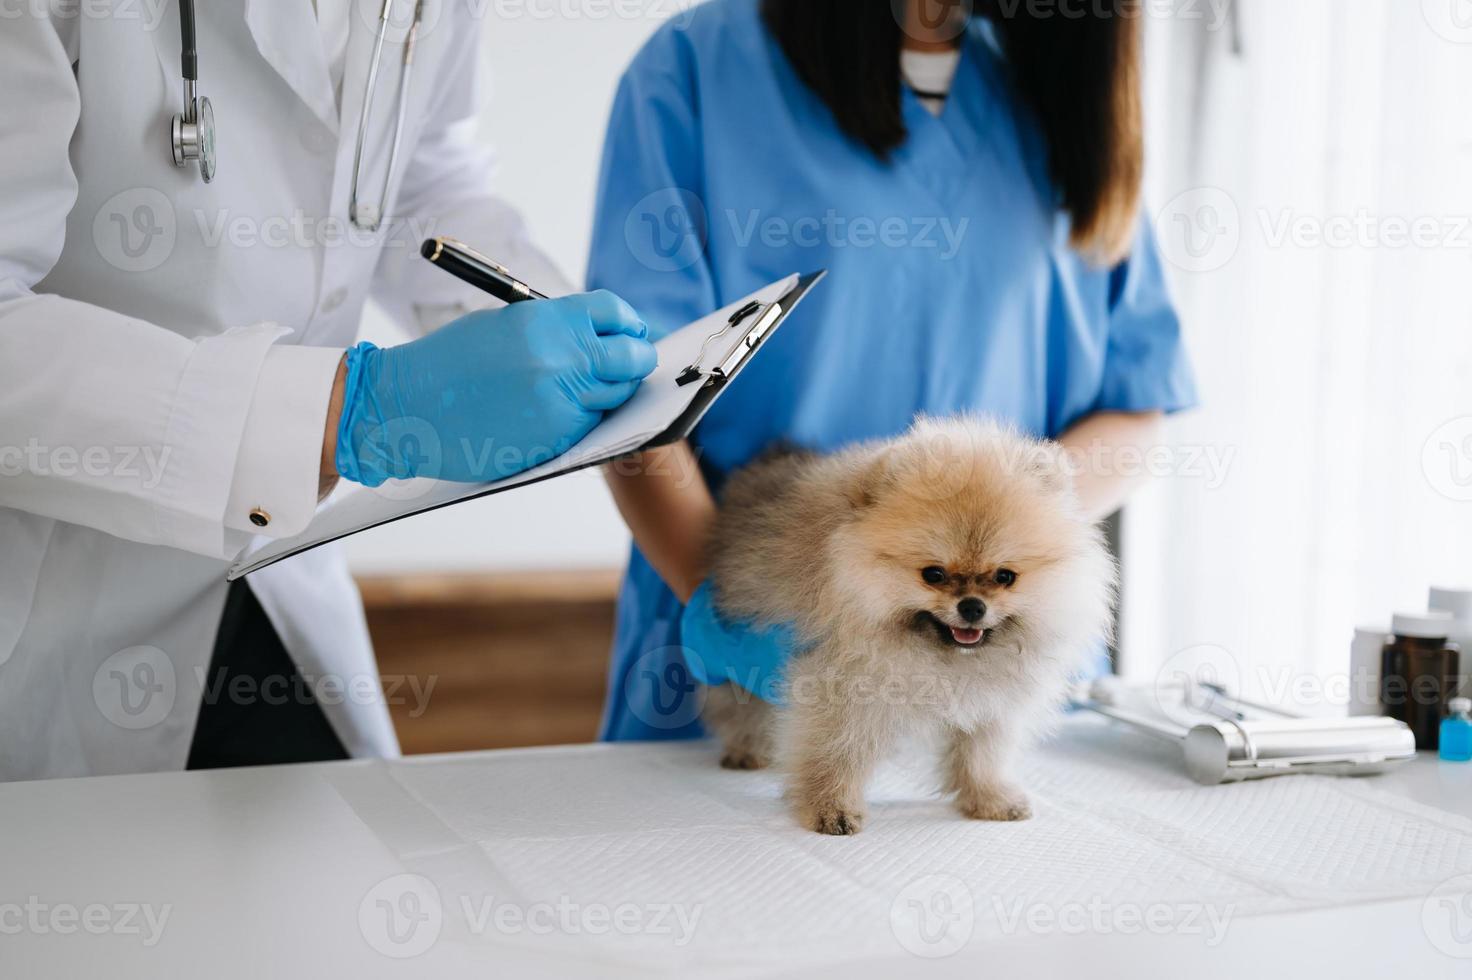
pixel 371 222
pixel 364 219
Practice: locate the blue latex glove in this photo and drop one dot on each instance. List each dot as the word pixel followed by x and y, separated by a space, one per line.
pixel 491 394
pixel 719 651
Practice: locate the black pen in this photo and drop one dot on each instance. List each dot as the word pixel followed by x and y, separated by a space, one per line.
pixel 465 263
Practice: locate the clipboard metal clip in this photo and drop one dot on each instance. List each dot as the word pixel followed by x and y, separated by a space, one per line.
pixel 766 314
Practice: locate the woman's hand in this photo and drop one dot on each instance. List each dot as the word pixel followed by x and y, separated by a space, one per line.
pixel 718 651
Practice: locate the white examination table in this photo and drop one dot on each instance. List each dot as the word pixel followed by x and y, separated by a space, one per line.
pixel 649 860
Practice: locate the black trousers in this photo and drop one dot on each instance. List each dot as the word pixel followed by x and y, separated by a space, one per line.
pixel 257 709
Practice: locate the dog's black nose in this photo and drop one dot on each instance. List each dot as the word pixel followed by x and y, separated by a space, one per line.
pixel 971 609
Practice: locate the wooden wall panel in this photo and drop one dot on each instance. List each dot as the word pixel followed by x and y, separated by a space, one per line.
pixel 514 659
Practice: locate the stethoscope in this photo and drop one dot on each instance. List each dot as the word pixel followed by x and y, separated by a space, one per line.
pixel 192 132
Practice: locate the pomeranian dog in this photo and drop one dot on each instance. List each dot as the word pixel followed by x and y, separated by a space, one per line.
pixel 943 583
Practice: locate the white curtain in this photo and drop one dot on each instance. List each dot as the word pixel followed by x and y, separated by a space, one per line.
pixel 1310 168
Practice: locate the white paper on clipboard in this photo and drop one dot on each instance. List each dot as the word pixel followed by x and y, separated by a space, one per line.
pixel 658 405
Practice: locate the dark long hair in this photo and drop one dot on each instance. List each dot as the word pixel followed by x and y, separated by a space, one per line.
pixel 1078 71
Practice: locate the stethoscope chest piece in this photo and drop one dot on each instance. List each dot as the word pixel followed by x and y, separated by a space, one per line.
pixel 194 136
pixel 193 131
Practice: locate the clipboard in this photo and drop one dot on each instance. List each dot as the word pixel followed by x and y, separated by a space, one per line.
pixel 696 364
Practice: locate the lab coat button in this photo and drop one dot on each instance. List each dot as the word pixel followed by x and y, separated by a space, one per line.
pixel 259 517
pixel 334 300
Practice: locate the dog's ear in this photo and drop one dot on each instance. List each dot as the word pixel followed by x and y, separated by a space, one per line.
pixel 871 479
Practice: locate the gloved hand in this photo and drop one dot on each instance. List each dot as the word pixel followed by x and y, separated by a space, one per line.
pixel 491 394
pixel 724 652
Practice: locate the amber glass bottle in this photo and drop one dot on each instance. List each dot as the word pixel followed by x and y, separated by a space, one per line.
pixel 1418 674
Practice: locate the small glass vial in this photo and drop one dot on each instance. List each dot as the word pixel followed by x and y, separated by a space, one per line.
pixel 1456 731
pixel 1418 673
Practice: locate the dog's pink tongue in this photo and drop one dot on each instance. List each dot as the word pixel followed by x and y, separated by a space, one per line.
pixel 966 637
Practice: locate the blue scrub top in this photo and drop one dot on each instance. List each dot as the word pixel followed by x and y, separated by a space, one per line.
pixel 952 287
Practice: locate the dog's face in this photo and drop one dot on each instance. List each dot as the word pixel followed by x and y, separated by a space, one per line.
pixel 961 535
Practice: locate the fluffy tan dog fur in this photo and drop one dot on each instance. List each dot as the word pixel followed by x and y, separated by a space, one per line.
pixel 943 583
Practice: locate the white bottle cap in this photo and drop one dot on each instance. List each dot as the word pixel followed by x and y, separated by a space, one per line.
pixel 1435 625
pixel 1458 602
pixel 1459 706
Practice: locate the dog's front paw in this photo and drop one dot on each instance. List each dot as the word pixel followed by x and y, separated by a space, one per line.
pixel 743 759
pixel 995 804
pixel 835 819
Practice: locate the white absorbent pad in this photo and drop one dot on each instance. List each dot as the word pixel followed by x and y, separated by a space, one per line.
pixel 633 830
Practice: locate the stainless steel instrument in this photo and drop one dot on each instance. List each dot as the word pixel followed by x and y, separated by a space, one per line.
pixel 1230 744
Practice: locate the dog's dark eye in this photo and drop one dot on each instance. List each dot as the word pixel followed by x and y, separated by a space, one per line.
pixel 1005 577
pixel 933 574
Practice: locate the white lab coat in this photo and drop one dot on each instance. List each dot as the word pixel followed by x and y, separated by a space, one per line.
pixel 166 349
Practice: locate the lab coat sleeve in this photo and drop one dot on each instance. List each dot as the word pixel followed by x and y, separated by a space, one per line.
pixel 651 182
pixel 447 190
pixel 1145 364
pixel 106 421
pixel 279 460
